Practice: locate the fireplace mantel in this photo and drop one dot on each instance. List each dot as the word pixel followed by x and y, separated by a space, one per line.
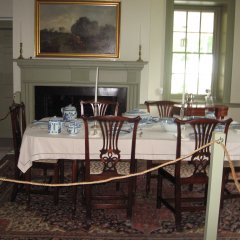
pixel 67 72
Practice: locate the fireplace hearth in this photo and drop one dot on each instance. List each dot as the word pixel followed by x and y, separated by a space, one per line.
pixel 50 99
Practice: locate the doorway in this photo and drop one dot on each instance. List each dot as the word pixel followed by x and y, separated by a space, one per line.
pixel 6 77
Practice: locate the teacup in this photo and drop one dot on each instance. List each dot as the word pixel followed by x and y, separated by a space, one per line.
pixel 54 126
pixel 73 127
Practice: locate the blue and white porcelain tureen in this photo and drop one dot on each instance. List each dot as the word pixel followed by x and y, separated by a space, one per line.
pixel 69 113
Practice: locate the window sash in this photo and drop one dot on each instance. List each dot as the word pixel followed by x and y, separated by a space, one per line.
pixel 188 71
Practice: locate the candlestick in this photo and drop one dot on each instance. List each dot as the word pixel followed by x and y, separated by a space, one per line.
pixel 183 94
pixel 21 51
pixel 140 54
pixel 183 98
pixel 20 31
pixel 182 112
pixel 140 35
pixel 96 85
pixel 140 45
pixel 95 103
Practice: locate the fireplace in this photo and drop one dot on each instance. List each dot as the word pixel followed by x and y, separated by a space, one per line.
pixel 74 80
pixel 50 99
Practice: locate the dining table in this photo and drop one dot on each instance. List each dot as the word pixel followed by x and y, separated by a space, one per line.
pixel 153 142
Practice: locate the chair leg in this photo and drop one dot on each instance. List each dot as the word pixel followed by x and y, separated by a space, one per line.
pixel 148 178
pixel 14 192
pixel 88 194
pixel 61 166
pixel 28 187
pixel 178 214
pixel 131 194
pixel 205 194
pixel 74 179
pixel 117 186
pixel 15 185
pixel 56 180
pixel 159 189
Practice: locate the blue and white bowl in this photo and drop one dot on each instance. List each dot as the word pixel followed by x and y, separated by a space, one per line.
pixel 145 116
pixel 73 127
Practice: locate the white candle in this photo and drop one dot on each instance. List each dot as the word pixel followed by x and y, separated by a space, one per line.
pixel 96 85
pixel 183 95
pixel 20 32
pixel 140 37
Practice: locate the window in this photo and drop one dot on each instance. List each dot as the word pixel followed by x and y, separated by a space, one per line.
pixel 198 49
pixel 192 53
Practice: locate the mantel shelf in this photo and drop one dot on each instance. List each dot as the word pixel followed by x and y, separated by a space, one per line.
pixel 72 63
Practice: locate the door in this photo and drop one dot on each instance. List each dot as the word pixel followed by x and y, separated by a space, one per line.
pixel 6 77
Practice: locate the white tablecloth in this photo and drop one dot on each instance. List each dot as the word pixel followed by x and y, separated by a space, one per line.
pixel 153 144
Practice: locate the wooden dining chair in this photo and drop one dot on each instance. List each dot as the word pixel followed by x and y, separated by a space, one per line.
pixel 18 121
pixel 110 164
pixel 164 109
pixel 17 113
pixel 99 108
pixel 189 173
pixel 91 108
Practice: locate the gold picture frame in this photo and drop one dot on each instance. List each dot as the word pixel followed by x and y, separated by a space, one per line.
pixel 77 28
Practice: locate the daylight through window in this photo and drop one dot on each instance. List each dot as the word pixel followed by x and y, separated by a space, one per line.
pixel 192 52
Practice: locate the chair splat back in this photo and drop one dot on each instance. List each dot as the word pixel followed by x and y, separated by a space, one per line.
pixel 202 131
pixel 165 108
pixel 110 127
pixel 100 108
pixel 110 154
pixel 17 112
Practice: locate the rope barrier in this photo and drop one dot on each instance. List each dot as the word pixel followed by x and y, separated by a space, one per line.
pixel 233 172
pixel 1 119
pixel 132 174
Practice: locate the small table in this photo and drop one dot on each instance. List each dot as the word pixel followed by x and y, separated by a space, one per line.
pixel 196 109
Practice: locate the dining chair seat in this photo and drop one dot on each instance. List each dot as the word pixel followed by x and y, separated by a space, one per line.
pixel 96 167
pixel 185 171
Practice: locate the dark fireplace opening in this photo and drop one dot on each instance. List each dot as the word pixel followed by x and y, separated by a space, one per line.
pixel 50 99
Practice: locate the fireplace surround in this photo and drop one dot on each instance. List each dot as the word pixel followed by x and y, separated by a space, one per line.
pixel 122 75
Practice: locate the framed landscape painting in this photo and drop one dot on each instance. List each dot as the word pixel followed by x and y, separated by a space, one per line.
pixel 77 28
